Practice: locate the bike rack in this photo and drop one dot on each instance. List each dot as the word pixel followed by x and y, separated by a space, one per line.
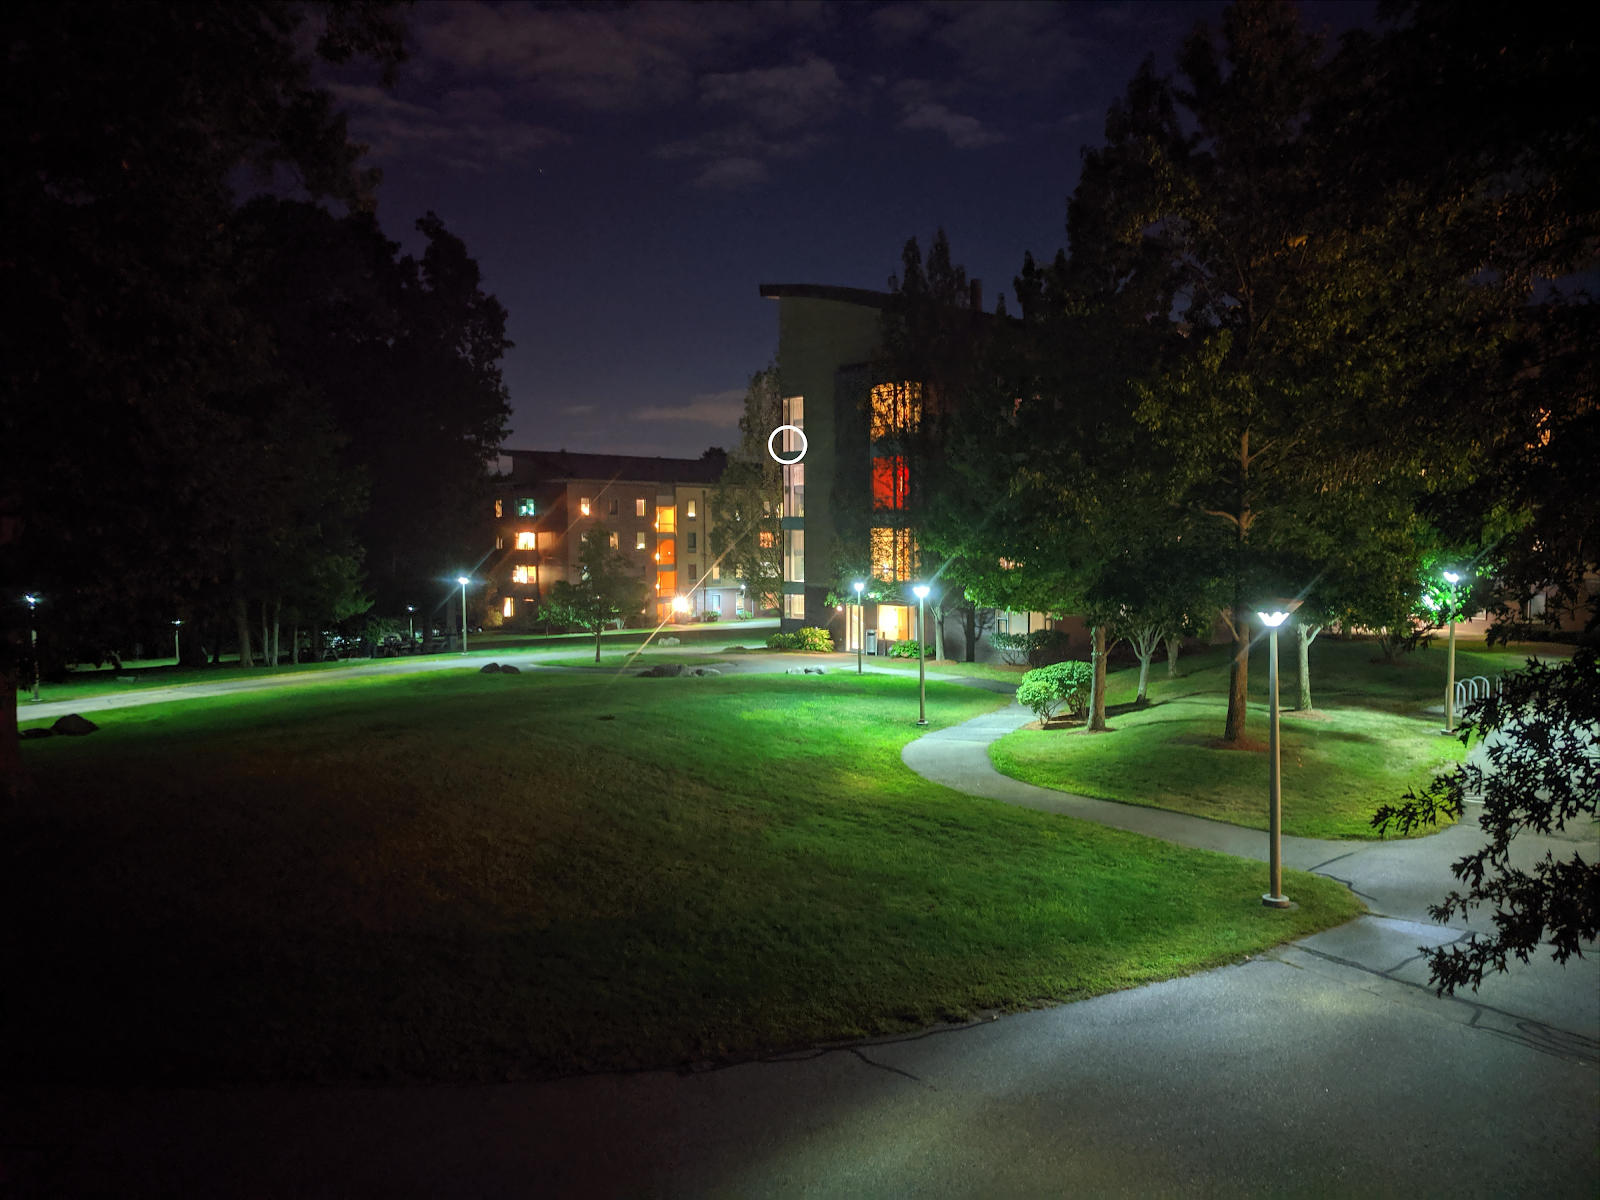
pixel 1470 691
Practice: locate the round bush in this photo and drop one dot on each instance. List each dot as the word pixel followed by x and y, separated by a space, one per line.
pixel 1067 685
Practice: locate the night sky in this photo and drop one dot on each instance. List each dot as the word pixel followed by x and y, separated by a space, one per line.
pixel 627 177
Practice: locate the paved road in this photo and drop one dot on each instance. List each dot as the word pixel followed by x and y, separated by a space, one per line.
pixel 1323 1068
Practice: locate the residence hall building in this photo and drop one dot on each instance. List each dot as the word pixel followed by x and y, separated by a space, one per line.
pixel 826 339
pixel 656 510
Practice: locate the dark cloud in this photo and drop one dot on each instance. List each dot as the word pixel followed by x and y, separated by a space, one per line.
pixel 788 97
pixel 919 110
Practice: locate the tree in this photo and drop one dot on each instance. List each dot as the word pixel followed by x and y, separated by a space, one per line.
pixel 1541 775
pixel 607 589
pixel 747 502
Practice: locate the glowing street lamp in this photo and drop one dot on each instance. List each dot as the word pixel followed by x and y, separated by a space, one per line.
pixel 1277 612
pixel 32 602
pixel 177 648
pixel 1452 578
pixel 861 625
pixel 922 656
pixel 463 581
pixel 411 625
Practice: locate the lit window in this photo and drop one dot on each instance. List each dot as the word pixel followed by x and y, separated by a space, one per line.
pixel 766 508
pixel 667 551
pixel 525 540
pixel 666 518
pixel 794 490
pixel 499 543
pixel 896 409
pixel 716 571
pixel 611 508
pixel 891 482
pixel 497 507
pixel 527 508
pixel 638 507
pixel 583 505
pixel 716 597
pixel 794 555
pixel 766 539
pixel 692 537
pixel 509 608
pixel 893 555
pixel 688 510
pixel 613 541
pixel 521 575
pixel 638 539
pixel 794 606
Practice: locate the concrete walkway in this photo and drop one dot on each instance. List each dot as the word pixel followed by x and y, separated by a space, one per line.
pixel 1324 1068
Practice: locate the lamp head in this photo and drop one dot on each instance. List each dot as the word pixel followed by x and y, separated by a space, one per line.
pixel 1273 613
pixel 921 590
pixel 1452 577
pixel 179 621
pixel 860 587
pixel 679 604
pixel 463 580
pixel 31 599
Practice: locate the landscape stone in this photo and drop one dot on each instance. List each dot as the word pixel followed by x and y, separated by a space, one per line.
pixel 72 725
pixel 489 669
pixel 667 641
pixel 508 669
pixel 707 671
pixel 663 671
pixel 816 670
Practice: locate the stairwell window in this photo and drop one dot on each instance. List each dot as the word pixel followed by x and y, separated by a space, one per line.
pixel 583 505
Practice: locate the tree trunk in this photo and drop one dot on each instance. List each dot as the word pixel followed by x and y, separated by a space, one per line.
pixel 241 613
pixel 294 648
pixel 1174 645
pixel 1097 703
pixel 599 628
pixel 10 739
pixel 971 631
pixel 1238 677
pixel 1306 635
pixel 266 637
pixel 938 633
pixel 1144 676
pixel 277 630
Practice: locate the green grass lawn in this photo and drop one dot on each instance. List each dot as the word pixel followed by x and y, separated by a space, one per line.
pixel 458 876
pixel 996 671
pixel 1367 742
pixel 641 660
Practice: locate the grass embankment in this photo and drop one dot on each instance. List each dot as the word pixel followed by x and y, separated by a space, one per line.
pixel 1366 743
pixel 464 876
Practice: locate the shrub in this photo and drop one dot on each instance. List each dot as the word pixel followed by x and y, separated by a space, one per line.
pixel 808 638
pixel 1037 649
pixel 710 617
pixel 1064 684
pixel 906 649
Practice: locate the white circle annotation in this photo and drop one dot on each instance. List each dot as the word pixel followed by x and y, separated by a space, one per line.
pixel 804 445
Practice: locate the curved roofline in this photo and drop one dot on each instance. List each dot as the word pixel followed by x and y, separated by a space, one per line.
pixel 862 297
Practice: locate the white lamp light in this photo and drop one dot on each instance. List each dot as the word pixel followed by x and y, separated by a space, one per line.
pixel 1452 577
pixel 1272 614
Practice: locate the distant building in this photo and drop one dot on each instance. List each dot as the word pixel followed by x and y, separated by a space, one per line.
pixel 656 510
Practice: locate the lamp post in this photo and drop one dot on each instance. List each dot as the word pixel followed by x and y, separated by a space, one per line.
pixel 922 658
pixel 411 625
pixel 463 581
pixel 1277 613
pixel 177 646
pixel 861 625
pixel 1452 578
pixel 33 641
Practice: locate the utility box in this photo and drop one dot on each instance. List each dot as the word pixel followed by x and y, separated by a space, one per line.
pixel 872 642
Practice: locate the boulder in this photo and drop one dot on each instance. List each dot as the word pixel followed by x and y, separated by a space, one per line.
pixel 72 725
pixel 816 670
pixel 663 671
pixel 489 669
pixel 667 641
pixel 508 669
pixel 704 671
pixel 38 732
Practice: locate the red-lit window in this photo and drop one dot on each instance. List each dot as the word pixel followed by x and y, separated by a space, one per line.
pixel 891 482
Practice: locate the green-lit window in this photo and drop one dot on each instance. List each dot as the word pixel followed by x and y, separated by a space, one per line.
pixel 527 508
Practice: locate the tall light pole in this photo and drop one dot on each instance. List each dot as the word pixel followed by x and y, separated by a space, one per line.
pixel 1278 613
pixel 922 657
pixel 177 645
pixel 861 625
pixel 33 641
pixel 1452 578
pixel 411 625
pixel 463 581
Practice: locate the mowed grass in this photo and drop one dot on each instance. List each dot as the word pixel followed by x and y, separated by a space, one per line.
pixel 482 877
pixel 1367 741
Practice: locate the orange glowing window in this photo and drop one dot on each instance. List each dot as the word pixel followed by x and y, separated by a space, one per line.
pixel 896 409
pixel 525 540
pixel 521 574
pixel 893 555
pixel 509 608
pixel 498 506
pixel 891 482
pixel 583 506
pixel 666 518
pixel 667 551
pixel 767 541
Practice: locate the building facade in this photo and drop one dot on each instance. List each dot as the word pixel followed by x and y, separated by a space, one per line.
pixel 656 511
pixel 853 486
